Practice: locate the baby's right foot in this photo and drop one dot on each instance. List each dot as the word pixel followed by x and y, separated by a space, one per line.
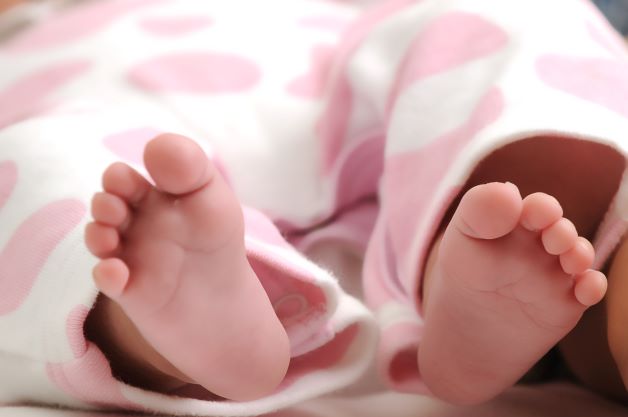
pixel 173 258
pixel 508 280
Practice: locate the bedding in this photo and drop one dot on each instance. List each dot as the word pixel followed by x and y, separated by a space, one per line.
pixel 549 400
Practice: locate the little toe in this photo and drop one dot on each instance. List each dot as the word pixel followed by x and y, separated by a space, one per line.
pixel 590 287
pixel 125 182
pixel 539 211
pixel 579 258
pixel 488 211
pixel 101 240
pixel 177 164
pixel 110 210
pixel 559 237
pixel 111 276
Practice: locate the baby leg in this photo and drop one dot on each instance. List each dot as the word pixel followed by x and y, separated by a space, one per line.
pixel 617 314
pixel 173 259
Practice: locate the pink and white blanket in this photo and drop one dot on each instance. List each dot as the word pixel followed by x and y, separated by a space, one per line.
pixel 346 128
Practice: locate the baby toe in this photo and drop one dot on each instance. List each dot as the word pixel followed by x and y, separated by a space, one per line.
pixel 579 258
pixel 177 164
pixel 590 287
pixel 111 276
pixel 559 237
pixel 109 209
pixel 101 240
pixel 539 211
pixel 488 211
pixel 125 182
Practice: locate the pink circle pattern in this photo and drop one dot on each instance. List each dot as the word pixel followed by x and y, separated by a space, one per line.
pixel 129 144
pixel 197 73
pixel 27 95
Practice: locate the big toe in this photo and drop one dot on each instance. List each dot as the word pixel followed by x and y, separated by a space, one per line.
pixel 176 164
pixel 489 211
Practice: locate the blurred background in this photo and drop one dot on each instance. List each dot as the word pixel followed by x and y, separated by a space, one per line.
pixel 616 12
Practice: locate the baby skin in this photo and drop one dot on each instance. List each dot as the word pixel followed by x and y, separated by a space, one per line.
pixel 507 280
pixel 182 303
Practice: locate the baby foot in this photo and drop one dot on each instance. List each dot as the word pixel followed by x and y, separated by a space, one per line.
pixel 173 258
pixel 509 279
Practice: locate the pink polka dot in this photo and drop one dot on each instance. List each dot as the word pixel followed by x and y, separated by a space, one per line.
pixel 30 246
pixel 424 170
pixel 201 72
pixel 89 379
pixel 78 23
pixel 8 178
pixel 333 124
pixel 331 23
pixel 598 80
pixel 313 83
pixel 449 41
pixel 174 26
pixel 26 95
pixel 129 145
pixel 75 332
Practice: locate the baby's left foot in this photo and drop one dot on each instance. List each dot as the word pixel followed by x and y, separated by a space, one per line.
pixel 173 259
